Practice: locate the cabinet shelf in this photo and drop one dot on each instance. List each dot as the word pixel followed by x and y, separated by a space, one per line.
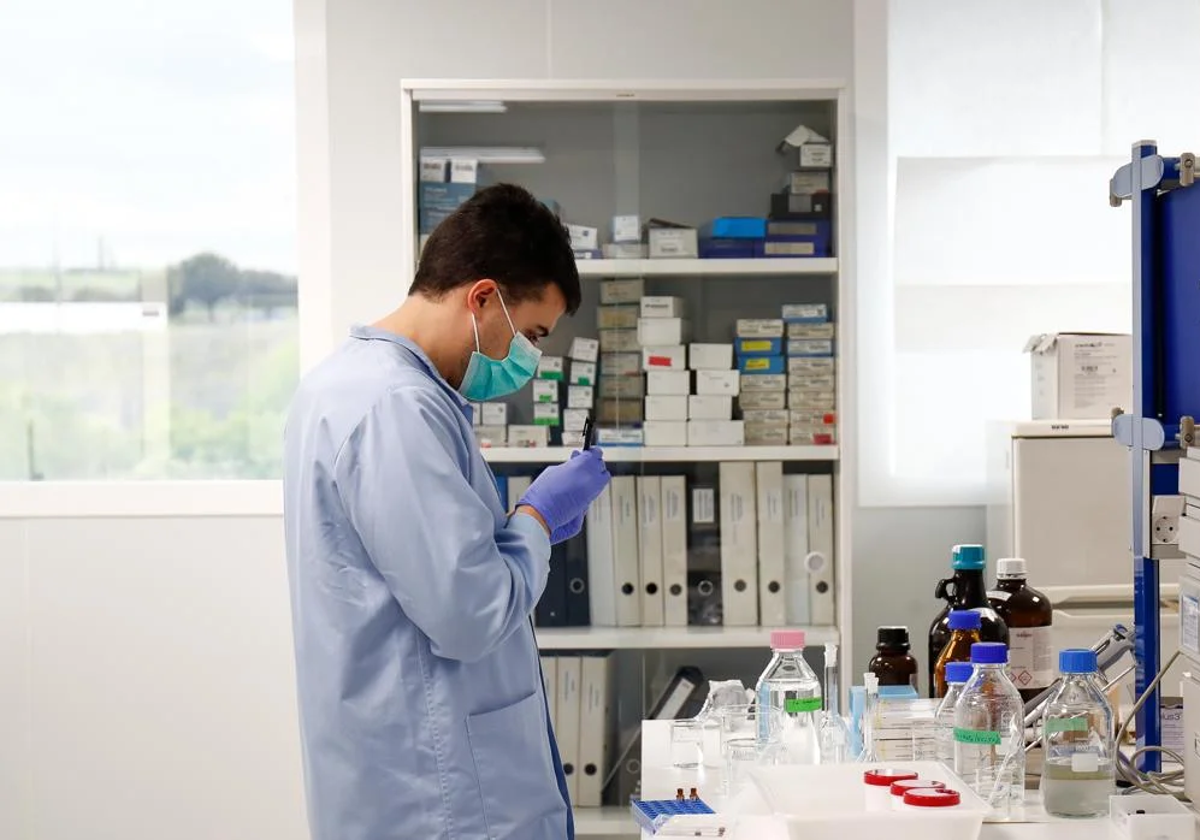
pixel 663 454
pixel 772 267
pixel 674 638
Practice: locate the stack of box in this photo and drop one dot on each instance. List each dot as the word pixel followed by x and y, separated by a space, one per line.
pixel 812 375
pixel 710 407
pixel 661 334
pixel 490 420
pixel 581 388
pixel 445 184
pixel 626 240
pixel 763 370
pixel 620 385
pixel 799 224
pixel 585 241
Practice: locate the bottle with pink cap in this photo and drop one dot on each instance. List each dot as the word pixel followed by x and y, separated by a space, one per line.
pixel 789 685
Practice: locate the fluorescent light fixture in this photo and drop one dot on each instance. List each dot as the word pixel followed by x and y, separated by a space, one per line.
pixel 486 154
pixel 468 106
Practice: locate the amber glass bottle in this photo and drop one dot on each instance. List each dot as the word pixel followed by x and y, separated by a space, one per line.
pixel 1028 614
pixel 893 663
pixel 964 632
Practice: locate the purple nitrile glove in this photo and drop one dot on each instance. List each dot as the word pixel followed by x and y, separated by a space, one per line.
pixel 562 493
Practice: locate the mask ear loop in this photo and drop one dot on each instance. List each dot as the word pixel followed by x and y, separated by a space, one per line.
pixel 506 315
pixel 475 327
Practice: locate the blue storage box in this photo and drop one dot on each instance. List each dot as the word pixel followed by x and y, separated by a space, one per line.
pixel 735 227
pixel 758 346
pixel 730 249
pixel 762 364
pixel 651 814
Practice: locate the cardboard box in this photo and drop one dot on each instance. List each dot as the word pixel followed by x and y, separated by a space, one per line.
pixel 812 435
pixel 619 437
pixel 551 367
pixel 811 417
pixel 812 366
pixel 619 341
pixel 812 400
pixel 625 251
pixel 661 306
pixel 762 400
pixel 620 364
pixel 464 171
pixel 572 440
pixel 627 229
pixel 710 407
pixel 476 413
pixel 805 313
pixel 825 331
pixel 718 382
pixel 545 391
pixel 628 290
pixel 580 396
pixel 1080 376
pixel 809 347
pixel 434 170
pixel 710 356
pixel 574 419
pixel 661 407
pixel 583 238
pixel 759 328
pixel 526 437
pixel 619 317
pixel 488 436
pixel 716 433
pixel 659 331
pixel 811 382
pixel 665 433
pixel 808 183
pixel 493 414
pixel 673 243
pixel 761 365
pixel 619 412
pixel 668 382
pixel 547 414
pixel 758 347
pixel 767 434
pixel 816 156
pixel 767 416
pixel 582 373
pixel 621 387
pixel 584 349
pixel 668 357
pixel 758 382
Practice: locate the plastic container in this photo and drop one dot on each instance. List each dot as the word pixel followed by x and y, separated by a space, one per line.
pixel 924 799
pixel 989 734
pixel 965 590
pixel 877 785
pixel 1078 774
pixel 893 663
pixel 898 789
pixel 1028 615
pixel 957 675
pixel 964 631
pixel 790 686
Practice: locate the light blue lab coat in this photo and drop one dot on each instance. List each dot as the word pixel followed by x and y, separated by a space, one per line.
pixel 422 709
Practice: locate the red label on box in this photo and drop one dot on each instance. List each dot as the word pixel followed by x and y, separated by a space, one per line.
pixel 658 361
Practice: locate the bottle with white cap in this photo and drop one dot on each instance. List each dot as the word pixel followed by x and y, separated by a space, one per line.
pixel 1028 614
pixel 790 686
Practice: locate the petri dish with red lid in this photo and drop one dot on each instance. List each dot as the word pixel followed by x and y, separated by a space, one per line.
pixel 930 799
pixel 877 785
pixel 899 789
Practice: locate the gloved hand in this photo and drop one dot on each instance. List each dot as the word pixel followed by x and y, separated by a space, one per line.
pixel 562 493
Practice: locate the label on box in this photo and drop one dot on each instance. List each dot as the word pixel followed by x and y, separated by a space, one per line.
pixel 710 407
pixel 493 413
pixel 583 373
pixel 580 396
pixel 812 435
pixel 763 400
pixel 622 291
pixel 759 346
pixel 584 349
pixel 812 382
pixel 665 358
pixel 766 415
pixel 550 367
pixel 619 437
pixel 761 365
pixel 661 307
pixel 704 506
pixel 464 171
pixel 825 330
pixel 619 341
pixel 816 155
pixel 620 364
pixel 669 382
pixel 805 313
pixel 583 237
pixel 545 391
pixel 622 387
pixel 546 414
pixel 435 170
pixel 718 382
pixel 807 183
pixel 627 229
pixel 666 407
pixel 760 328
pixel 528 436
pixel 809 347
pixel 491 435
pixel 574 419
pixel 812 365
pixel 764 382
pixel 812 417
pixel 622 317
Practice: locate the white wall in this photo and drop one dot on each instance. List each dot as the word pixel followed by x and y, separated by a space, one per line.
pixel 147 685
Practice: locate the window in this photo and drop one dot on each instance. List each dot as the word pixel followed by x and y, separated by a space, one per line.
pixel 1005 121
pixel 147 239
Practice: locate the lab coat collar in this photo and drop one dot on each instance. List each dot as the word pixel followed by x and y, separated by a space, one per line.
pixel 367 333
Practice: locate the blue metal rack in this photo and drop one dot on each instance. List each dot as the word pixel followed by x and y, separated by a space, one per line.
pixel 1166 388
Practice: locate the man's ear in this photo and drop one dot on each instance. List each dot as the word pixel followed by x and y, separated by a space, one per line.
pixel 479 293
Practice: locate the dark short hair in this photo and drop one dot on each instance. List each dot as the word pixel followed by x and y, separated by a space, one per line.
pixel 505 234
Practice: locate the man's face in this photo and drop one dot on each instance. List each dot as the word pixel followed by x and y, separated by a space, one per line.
pixel 535 318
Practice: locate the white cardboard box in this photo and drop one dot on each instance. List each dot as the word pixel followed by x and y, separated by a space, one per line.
pixel 760 382
pixel 622 291
pixel 760 328
pixel 491 435
pixel 620 364
pixel 582 373
pixel 1080 376
pixel 662 306
pixel 710 407
pixel 544 391
pixel 669 357
pixel 766 434
pixel 718 382
pixel 493 414
pixel 716 433
pixel 659 331
pixel 580 396
pixel 528 436
pixel 574 419
pixel 676 243
pixel 665 432
pixel 711 356
pixel 584 349
pixel 762 400
pixel 627 229
pixel 673 407
pixel 583 238
pixel 668 382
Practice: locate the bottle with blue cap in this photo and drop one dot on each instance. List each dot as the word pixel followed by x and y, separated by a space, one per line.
pixel 957 675
pixel 989 733
pixel 965 590
pixel 1077 740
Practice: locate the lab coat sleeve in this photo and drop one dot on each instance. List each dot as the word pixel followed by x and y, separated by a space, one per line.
pixel 466 584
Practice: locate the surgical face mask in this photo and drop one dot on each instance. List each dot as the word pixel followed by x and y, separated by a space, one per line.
pixel 487 378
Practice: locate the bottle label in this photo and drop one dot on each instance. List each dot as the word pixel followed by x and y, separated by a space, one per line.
pixel 1066 725
pixel 796 706
pixel 977 736
pixel 1030 657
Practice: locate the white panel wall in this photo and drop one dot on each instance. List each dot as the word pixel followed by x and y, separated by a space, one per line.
pixel 14 682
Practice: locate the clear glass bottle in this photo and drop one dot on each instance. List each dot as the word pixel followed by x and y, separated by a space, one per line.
pixel 1077 739
pixel 964 632
pixel 834 740
pixel 957 675
pixel 989 733
pixel 790 686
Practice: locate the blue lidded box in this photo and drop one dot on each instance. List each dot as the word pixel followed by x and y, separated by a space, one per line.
pixel 761 364
pixel 758 346
pixel 735 227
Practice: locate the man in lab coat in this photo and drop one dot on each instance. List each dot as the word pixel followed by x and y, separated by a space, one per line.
pixel 421 702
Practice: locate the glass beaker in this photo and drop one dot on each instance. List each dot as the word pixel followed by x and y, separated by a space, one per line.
pixel 687 748
pixel 750 735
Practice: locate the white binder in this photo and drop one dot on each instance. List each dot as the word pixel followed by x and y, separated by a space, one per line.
pixel 568 712
pixel 625 551
pixel 596 727
pixel 795 550
pixel 601 562
pixel 550 681
pixel 820 549
pixel 650 549
pixel 675 550
pixel 772 597
pixel 739 544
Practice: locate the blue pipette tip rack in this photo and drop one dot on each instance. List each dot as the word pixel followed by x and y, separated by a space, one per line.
pixel 652 813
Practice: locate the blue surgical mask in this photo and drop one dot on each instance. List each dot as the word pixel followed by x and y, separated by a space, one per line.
pixel 487 378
